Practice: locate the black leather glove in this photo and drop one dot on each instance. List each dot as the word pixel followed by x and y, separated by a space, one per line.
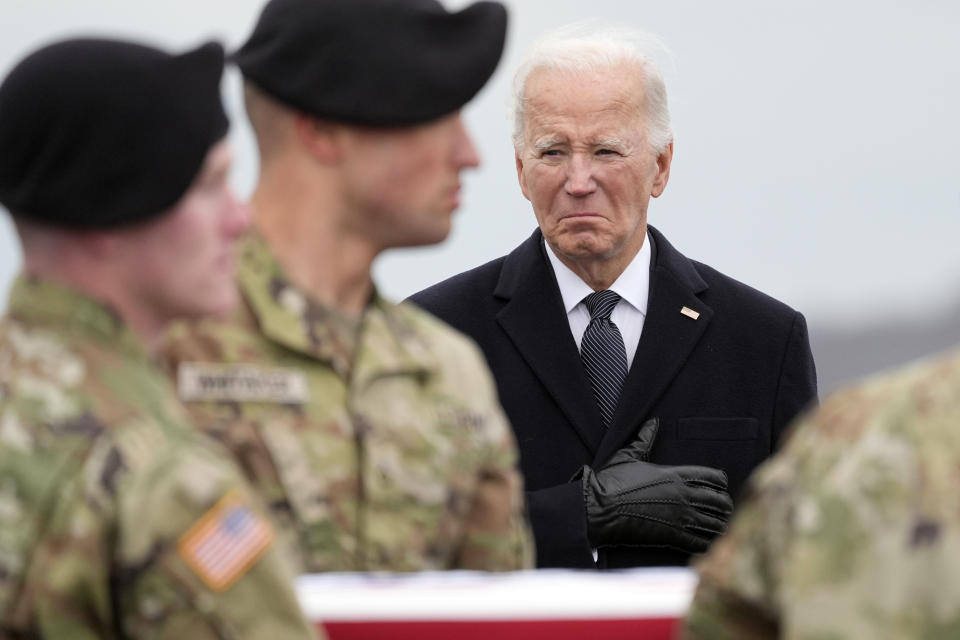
pixel 636 503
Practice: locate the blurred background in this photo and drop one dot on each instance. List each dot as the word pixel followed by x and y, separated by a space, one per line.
pixel 817 151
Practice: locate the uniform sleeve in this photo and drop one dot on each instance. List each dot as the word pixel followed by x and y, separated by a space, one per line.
pixel 497 535
pixel 174 547
pixel 734 599
pixel 67 587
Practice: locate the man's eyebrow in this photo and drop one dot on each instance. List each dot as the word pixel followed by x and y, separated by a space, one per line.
pixel 615 143
pixel 545 143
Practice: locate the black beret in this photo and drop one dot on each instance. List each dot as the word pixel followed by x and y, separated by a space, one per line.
pixel 373 62
pixel 98 133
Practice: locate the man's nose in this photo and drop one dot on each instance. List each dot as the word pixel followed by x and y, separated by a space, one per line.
pixel 237 215
pixel 465 152
pixel 580 180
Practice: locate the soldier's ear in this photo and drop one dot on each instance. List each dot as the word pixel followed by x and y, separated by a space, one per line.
pixel 317 137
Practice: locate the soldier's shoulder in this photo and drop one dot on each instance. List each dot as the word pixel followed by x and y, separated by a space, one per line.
pixel 439 337
pixel 62 393
pixel 459 371
pixel 70 433
pixel 44 382
pixel 902 419
pixel 41 352
pixel 913 398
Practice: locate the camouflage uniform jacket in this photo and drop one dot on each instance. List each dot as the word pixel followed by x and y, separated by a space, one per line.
pixel 379 443
pixel 111 506
pixel 853 531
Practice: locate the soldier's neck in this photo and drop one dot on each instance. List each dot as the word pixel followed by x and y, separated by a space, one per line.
pixel 72 267
pixel 315 251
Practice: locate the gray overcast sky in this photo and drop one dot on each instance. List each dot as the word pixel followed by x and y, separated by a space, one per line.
pixel 817 145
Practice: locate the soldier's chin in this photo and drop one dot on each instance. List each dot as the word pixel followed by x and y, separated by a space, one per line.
pixel 425 237
pixel 221 304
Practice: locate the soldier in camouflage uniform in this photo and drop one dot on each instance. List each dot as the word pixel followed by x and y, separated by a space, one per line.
pixel 853 531
pixel 372 429
pixel 118 519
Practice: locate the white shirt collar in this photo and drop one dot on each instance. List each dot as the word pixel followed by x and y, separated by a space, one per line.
pixel 633 285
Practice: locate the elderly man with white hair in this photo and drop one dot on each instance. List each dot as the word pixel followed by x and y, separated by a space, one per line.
pixel 643 387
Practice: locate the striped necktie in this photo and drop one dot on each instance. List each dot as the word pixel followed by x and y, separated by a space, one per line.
pixel 603 353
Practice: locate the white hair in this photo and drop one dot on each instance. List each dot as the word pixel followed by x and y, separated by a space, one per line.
pixel 582 48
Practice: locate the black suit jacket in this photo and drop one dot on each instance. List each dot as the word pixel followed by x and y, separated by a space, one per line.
pixel 724 385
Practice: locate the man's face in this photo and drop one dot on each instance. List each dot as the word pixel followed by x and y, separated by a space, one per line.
pixel 403 184
pixel 586 165
pixel 182 263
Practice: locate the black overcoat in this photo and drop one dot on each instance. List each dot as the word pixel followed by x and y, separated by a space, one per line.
pixel 724 385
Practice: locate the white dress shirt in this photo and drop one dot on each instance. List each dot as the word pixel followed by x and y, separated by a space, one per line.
pixel 633 287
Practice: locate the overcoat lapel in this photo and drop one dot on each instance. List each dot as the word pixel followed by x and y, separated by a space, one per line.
pixel 666 342
pixel 534 318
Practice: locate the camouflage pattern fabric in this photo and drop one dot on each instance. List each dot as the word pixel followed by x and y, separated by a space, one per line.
pixel 117 519
pixel 853 530
pixel 378 443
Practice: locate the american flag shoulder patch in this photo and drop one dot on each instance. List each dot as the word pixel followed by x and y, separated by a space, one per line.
pixel 225 542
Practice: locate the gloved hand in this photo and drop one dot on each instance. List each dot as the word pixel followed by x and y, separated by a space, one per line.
pixel 636 503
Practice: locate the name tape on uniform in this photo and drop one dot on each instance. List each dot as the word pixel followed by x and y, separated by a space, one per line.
pixel 206 382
